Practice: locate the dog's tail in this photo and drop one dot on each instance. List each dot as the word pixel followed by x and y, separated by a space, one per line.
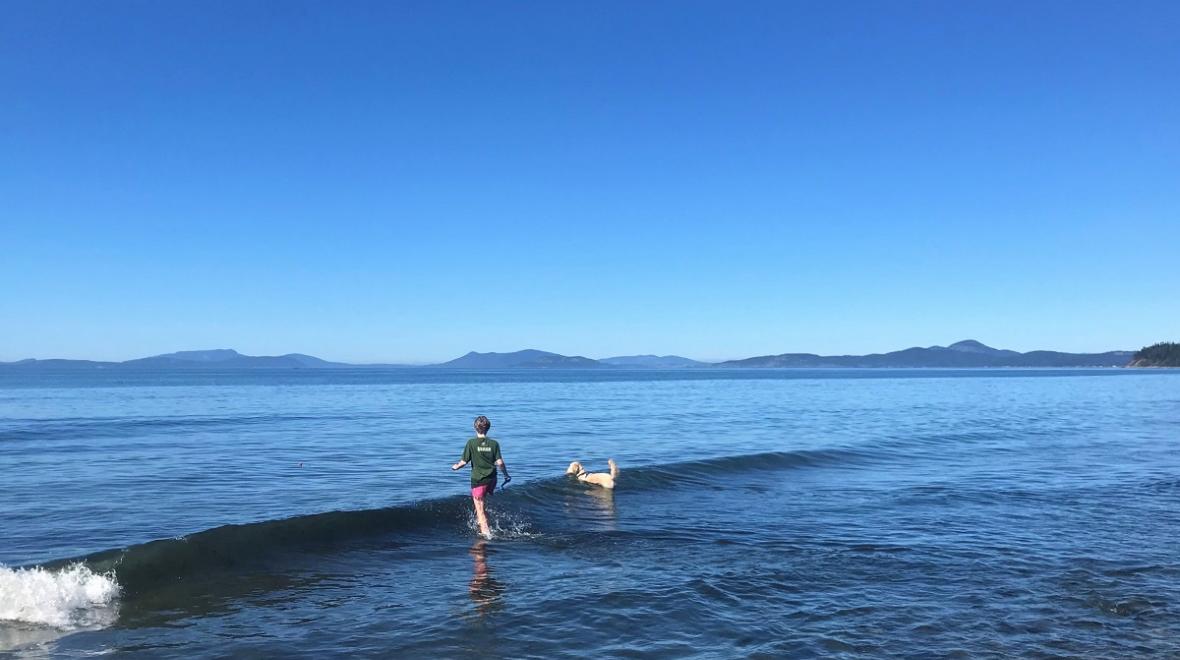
pixel 614 469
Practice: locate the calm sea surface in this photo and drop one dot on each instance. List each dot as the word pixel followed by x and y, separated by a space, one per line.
pixel 796 513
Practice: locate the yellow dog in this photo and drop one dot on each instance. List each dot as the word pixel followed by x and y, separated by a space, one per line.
pixel 597 478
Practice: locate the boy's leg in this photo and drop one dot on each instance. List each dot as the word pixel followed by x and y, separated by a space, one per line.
pixel 481 516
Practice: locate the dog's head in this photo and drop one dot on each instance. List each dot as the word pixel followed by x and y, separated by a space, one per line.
pixel 574 468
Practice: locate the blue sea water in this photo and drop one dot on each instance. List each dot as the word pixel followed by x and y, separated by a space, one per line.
pixel 777 513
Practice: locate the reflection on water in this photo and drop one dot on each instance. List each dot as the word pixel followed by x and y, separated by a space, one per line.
pixel 485 590
pixel 603 501
pixel 591 507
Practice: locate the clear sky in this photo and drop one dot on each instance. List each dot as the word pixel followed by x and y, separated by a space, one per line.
pixel 395 181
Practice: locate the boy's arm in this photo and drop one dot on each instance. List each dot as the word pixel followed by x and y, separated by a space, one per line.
pixel 465 458
pixel 500 462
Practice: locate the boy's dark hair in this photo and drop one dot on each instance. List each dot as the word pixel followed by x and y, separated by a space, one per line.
pixel 482 424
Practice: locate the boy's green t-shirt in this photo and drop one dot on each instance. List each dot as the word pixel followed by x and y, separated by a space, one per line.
pixel 482 454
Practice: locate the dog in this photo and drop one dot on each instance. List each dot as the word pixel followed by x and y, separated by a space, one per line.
pixel 597 478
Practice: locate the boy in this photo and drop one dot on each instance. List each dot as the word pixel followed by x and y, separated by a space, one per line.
pixel 483 454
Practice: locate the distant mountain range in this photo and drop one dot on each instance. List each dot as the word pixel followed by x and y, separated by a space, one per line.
pixel 222 358
pixel 527 359
pixel 226 358
pixel 653 362
pixel 964 354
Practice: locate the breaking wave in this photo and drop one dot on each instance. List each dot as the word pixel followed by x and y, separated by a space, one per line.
pixel 84 592
pixel 73 597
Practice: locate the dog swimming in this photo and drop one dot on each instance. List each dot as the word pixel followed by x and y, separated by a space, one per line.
pixel 606 480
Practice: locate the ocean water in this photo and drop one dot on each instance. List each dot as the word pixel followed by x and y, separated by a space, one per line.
pixel 792 513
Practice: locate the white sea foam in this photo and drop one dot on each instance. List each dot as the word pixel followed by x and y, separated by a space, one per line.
pixel 504 525
pixel 70 598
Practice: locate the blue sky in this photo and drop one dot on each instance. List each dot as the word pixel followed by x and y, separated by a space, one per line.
pixel 409 181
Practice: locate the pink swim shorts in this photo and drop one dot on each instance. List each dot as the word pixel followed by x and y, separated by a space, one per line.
pixel 483 490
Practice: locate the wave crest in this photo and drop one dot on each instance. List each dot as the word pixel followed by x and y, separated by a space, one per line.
pixel 73 597
pixel 143 566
